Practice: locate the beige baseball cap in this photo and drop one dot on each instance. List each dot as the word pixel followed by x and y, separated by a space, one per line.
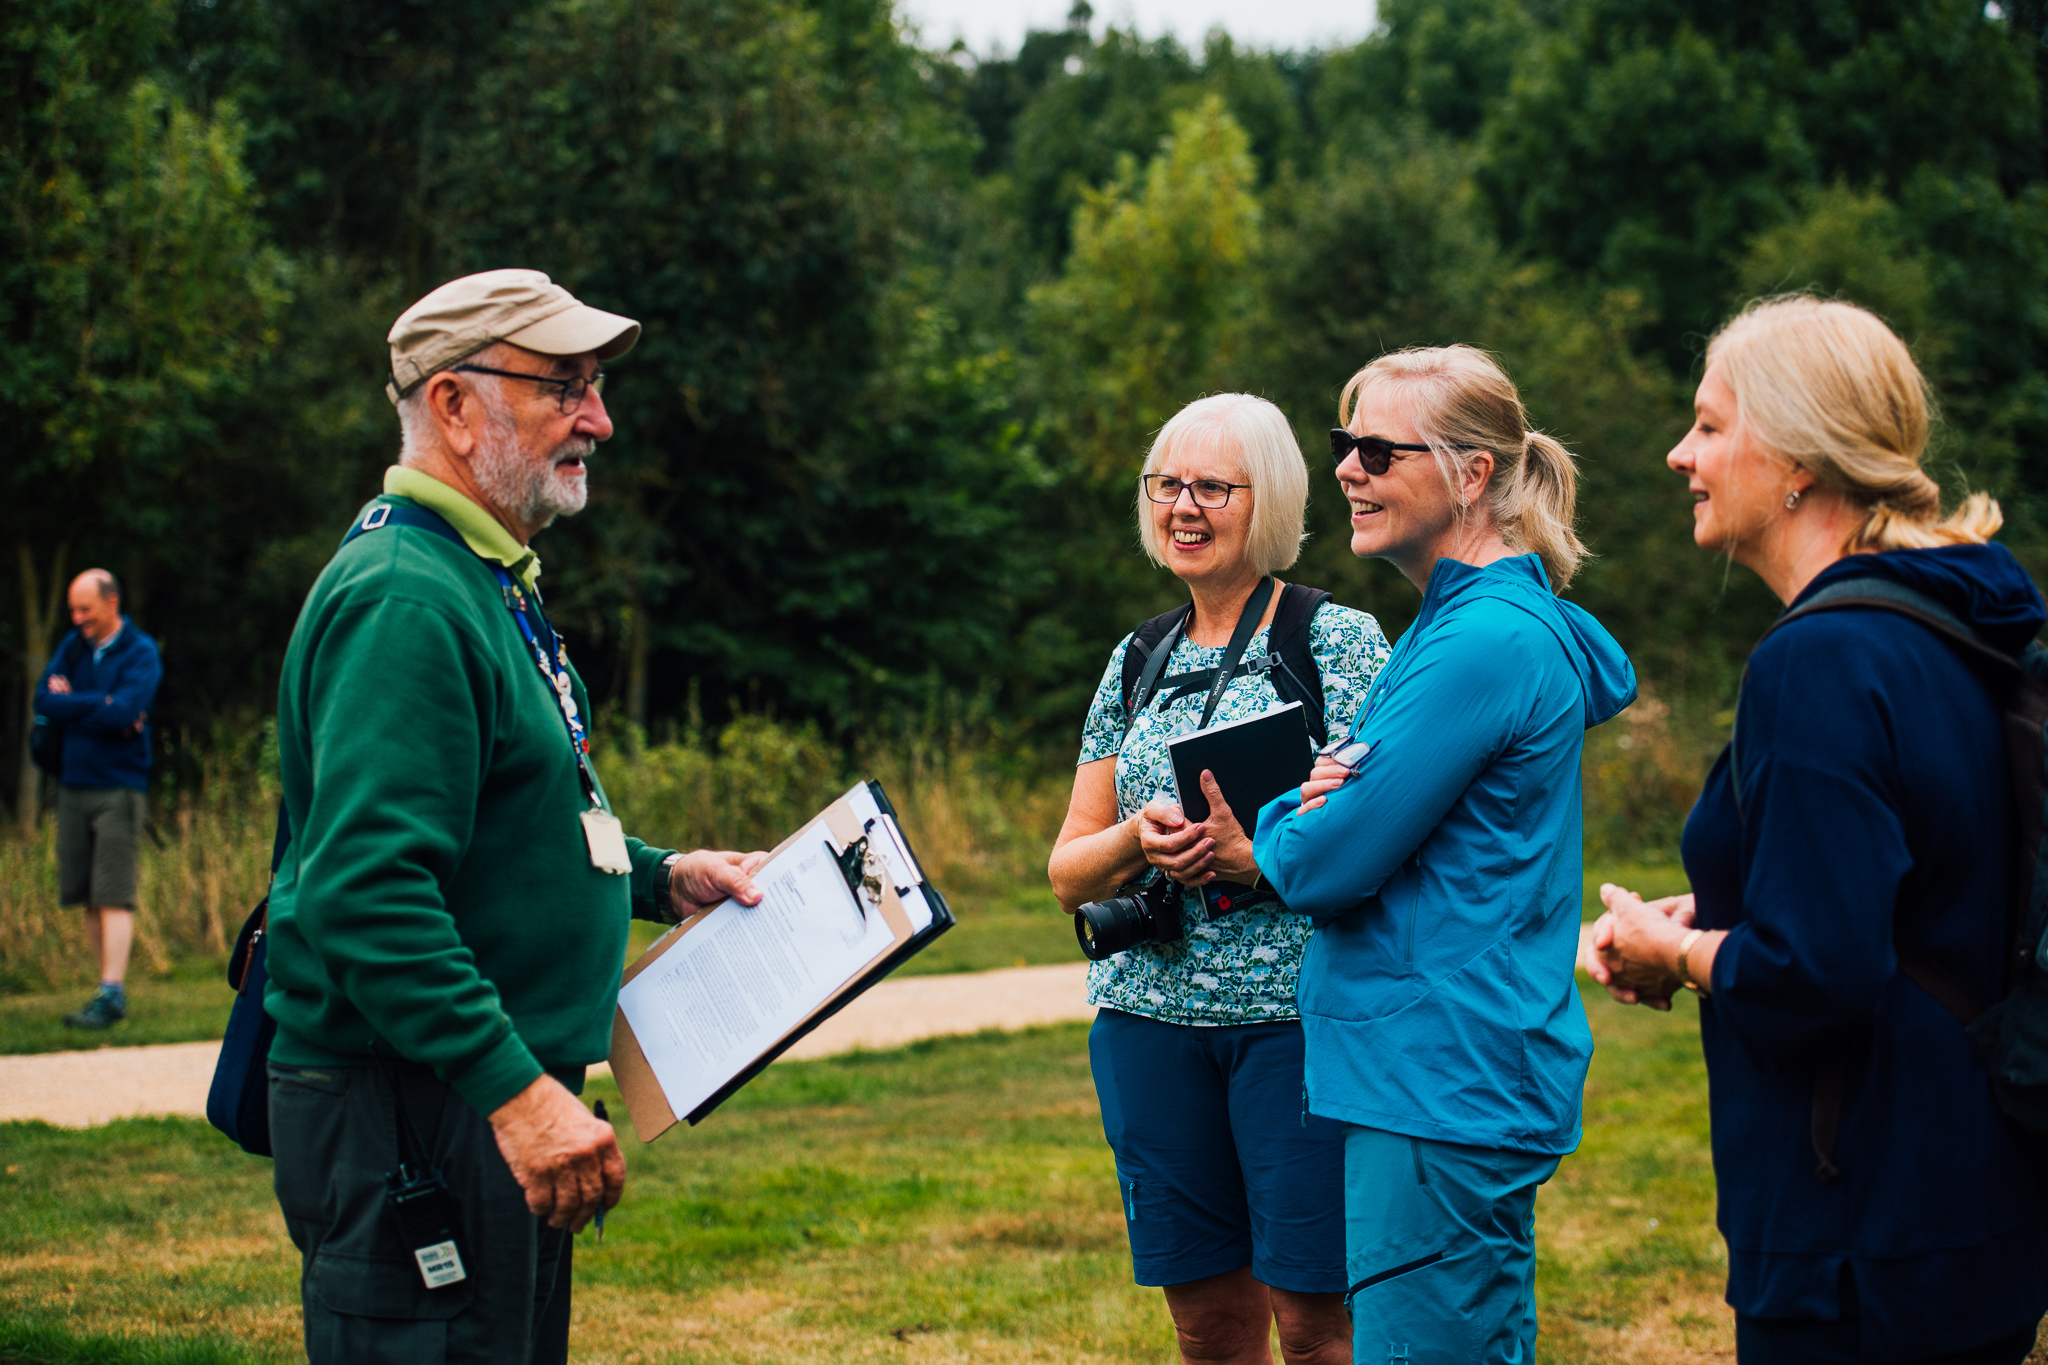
pixel 523 307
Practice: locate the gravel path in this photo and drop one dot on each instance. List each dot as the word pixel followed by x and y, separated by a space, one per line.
pixel 79 1089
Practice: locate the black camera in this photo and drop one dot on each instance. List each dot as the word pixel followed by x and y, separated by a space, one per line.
pixel 1150 912
pixel 1144 912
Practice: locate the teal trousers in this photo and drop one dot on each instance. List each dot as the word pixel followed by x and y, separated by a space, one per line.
pixel 1440 1250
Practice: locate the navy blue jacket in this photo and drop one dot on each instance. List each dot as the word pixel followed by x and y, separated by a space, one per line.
pixel 102 747
pixel 1873 792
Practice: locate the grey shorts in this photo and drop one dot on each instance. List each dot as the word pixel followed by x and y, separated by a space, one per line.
pixel 98 831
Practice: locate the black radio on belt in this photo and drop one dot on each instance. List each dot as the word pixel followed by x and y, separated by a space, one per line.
pixel 430 1221
pixel 429 1216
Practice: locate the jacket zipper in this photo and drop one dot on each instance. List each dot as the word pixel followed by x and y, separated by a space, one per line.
pixel 1414 905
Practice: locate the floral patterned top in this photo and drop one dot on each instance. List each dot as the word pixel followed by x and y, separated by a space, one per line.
pixel 1239 968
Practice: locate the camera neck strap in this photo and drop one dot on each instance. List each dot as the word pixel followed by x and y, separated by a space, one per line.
pixel 1248 619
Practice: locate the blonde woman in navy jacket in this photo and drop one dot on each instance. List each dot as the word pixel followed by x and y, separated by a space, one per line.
pixel 1442 866
pixel 1873 812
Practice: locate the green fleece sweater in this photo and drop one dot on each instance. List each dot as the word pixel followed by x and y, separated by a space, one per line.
pixel 437 901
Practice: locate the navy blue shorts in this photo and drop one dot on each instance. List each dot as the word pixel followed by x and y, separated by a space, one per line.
pixel 1220 1162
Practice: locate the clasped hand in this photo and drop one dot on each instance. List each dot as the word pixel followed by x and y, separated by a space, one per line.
pixel 1197 854
pixel 1631 947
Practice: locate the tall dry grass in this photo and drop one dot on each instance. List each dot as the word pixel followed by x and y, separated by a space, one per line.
pixel 981 816
pixel 205 863
pixel 1642 771
pixel 981 811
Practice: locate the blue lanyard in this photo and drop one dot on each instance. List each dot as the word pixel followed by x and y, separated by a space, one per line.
pixel 554 671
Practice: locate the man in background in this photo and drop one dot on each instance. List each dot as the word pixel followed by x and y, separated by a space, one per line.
pixel 99 687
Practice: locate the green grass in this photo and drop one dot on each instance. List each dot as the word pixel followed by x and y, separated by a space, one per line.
pixel 1648 880
pixel 958 1191
pixel 187 1006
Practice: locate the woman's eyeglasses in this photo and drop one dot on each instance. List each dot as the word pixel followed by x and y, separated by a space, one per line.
pixel 1211 493
pixel 1375 453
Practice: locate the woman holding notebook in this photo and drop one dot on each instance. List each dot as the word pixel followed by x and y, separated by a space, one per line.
pixel 1439 857
pixel 1230 1189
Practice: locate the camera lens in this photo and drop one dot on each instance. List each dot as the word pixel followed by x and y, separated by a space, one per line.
pixel 1107 927
pixel 1151 914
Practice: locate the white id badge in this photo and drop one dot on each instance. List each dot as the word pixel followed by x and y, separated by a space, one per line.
pixel 440 1264
pixel 607 840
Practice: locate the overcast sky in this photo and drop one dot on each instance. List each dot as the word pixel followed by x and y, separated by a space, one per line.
pixel 987 24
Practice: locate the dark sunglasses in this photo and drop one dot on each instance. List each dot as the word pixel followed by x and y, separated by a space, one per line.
pixel 1375 453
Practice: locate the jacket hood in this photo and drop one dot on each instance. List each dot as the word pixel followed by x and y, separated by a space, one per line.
pixel 1606 676
pixel 1982 584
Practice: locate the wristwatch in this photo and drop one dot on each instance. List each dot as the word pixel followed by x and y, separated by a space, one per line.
pixel 664 900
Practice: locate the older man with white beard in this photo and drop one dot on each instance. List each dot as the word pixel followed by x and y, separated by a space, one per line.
pixel 448 923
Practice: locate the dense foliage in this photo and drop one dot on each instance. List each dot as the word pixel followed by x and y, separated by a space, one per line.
pixel 911 316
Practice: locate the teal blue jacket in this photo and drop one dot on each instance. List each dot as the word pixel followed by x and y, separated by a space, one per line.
pixel 1437 996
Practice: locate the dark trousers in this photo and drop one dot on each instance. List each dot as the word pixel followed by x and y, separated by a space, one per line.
pixel 335 1136
pixel 1767 1341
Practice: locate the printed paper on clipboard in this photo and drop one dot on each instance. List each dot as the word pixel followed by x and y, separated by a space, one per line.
pixel 744 977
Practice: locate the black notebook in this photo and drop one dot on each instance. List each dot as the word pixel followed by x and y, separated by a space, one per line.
pixel 1254 761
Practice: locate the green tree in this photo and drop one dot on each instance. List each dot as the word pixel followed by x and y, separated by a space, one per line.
pixel 807 491
pixel 136 292
pixel 1157 305
pixel 1646 143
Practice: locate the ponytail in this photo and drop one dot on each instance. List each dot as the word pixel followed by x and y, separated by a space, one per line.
pixel 1912 526
pixel 1533 507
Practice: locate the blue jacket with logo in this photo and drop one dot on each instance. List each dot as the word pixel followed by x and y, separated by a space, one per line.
pixel 1437 996
pixel 103 746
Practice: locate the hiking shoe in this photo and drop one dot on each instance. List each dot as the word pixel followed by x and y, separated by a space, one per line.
pixel 104 1010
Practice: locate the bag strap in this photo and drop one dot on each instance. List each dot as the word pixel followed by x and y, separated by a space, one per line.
pixel 1874 594
pixel 1830 1076
pixel 1152 643
pixel 1149 681
pixel 382 514
pixel 1289 640
pixel 375 518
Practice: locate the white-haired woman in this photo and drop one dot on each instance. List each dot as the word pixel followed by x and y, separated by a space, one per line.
pixel 1231 1190
pixel 1439 854
pixel 1850 859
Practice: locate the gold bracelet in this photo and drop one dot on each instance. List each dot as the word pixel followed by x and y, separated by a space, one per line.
pixel 1685 946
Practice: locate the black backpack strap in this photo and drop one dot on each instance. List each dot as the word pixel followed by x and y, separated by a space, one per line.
pixel 1292 659
pixel 1217 679
pixel 1151 646
pixel 1879 594
pixel 1876 594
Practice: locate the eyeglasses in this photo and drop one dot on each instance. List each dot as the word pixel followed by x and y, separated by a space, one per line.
pixel 1206 492
pixel 572 390
pixel 1375 453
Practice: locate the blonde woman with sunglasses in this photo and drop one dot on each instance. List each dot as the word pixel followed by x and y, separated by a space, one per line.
pixel 1438 853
